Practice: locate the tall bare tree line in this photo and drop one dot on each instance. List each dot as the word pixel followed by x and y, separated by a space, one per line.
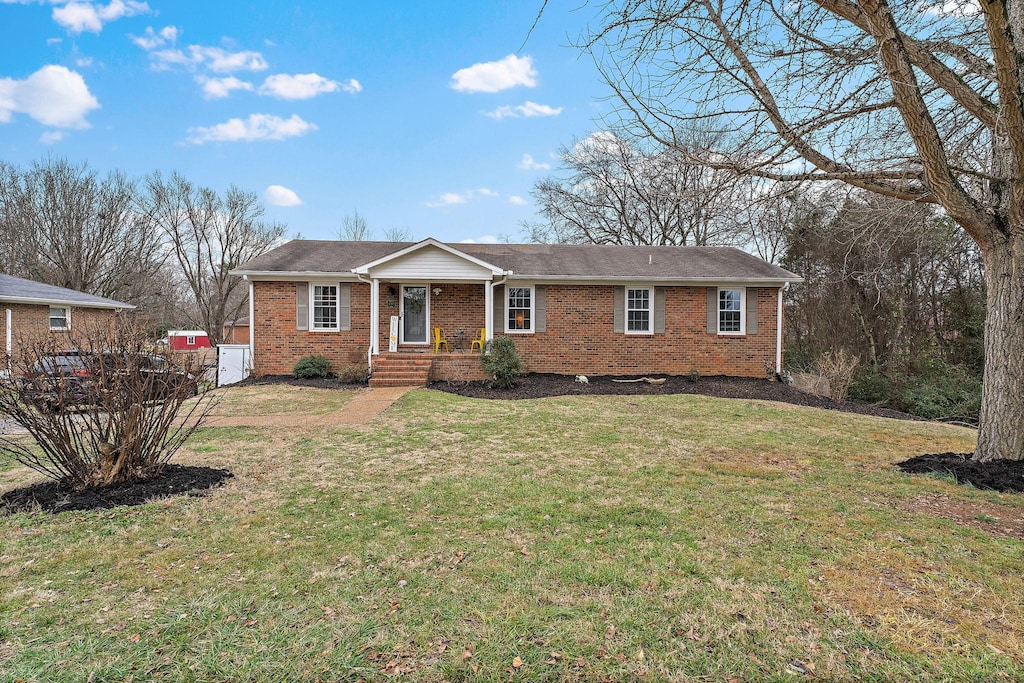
pixel 165 245
pixel 920 102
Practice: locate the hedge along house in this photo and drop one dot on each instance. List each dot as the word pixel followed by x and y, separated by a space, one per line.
pixel 571 309
pixel 32 311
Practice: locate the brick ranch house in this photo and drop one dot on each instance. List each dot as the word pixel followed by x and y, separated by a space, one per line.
pixel 32 310
pixel 571 309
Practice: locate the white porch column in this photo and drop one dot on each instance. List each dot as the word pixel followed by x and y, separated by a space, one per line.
pixel 488 310
pixel 375 316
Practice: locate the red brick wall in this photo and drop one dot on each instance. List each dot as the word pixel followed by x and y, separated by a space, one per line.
pixel 32 323
pixel 578 340
pixel 278 345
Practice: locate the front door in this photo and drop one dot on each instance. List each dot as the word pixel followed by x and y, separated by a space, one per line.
pixel 415 314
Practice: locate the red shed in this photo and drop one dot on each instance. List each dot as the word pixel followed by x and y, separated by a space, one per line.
pixel 187 340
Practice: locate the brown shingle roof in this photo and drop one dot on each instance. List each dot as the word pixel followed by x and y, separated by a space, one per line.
pixel 548 261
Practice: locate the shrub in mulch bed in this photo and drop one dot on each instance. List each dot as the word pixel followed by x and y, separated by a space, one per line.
pixel 172 480
pixel 1006 476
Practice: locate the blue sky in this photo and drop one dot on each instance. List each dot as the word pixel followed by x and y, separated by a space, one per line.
pixel 420 115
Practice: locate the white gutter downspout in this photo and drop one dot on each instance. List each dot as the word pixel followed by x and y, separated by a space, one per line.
pixel 374 315
pixel 252 323
pixel 778 333
pixel 8 346
pixel 489 310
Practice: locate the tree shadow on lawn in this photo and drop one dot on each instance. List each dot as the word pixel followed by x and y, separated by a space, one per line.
pixel 171 480
pixel 1006 476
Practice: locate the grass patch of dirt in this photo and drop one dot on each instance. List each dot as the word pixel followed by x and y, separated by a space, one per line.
pixel 282 399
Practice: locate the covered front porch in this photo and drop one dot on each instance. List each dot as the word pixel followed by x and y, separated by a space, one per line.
pixel 426 293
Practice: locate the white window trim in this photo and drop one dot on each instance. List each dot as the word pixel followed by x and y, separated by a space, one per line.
pixel 533 307
pixel 312 309
pixel 190 340
pixel 625 311
pixel 67 319
pixel 743 311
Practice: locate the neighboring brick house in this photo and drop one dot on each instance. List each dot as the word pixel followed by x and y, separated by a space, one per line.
pixel 571 309
pixel 31 311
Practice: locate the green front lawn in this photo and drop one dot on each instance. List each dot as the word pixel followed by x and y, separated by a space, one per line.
pixel 584 538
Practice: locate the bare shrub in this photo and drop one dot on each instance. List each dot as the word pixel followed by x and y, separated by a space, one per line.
pixel 353 374
pixel 838 368
pixel 101 405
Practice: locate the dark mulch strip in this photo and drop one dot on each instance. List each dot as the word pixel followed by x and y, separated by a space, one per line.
pixel 172 480
pixel 327 383
pixel 999 475
pixel 544 385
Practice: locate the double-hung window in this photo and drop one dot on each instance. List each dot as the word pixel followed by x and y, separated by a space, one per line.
pixel 730 311
pixel 325 307
pixel 639 310
pixel 60 318
pixel 520 309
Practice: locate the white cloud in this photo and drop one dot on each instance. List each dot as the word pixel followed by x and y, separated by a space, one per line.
pixel 51 137
pixel 956 8
pixel 527 163
pixel 223 61
pixel 483 239
pixel 256 127
pixel 352 86
pixel 452 198
pixel 526 109
pixel 83 62
pixel 77 17
pixel 217 88
pixel 449 198
pixel 517 200
pixel 152 39
pixel 53 96
pixel 297 86
pixel 496 76
pixel 51 41
pixel 213 58
pixel 279 195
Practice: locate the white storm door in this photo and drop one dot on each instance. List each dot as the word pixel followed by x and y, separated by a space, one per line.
pixel 415 314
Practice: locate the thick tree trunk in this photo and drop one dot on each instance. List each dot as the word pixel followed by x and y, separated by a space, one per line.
pixel 1001 429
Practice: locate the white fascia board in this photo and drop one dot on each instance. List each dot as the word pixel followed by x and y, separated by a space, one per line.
pixel 64 302
pixel 633 279
pixel 293 275
pixel 429 242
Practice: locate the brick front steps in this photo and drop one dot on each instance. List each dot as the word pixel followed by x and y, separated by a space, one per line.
pixel 417 368
pixel 401 370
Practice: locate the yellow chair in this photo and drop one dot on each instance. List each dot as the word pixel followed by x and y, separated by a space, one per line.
pixel 479 342
pixel 440 340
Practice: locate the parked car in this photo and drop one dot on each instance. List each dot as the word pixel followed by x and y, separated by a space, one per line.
pixel 72 378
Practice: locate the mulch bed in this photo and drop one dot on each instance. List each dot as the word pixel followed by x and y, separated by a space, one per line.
pixel 173 480
pixel 544 385
pixel 1006 476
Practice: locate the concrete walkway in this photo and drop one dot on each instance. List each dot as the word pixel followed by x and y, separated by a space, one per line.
pixel 366 405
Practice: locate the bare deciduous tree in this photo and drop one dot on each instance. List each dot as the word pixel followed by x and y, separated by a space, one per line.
pixel 65 225
pixel 354 228
pixel 921 101
pixel 613 190
pixel 397 234
pixel 209 235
